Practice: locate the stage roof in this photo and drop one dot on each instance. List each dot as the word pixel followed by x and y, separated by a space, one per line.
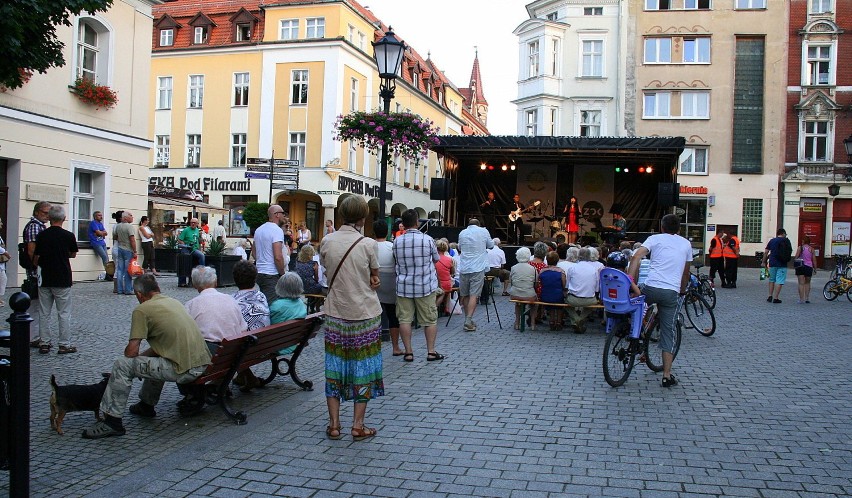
pixel 547 149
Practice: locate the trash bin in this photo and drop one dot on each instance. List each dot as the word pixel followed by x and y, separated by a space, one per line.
pixel 184 268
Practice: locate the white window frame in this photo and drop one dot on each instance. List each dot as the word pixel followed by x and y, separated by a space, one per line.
pixel 810 68
pixel 288 29
pixel 656 4
pixel 350 33
pixel 532 59
pixel 750 4
pixel 694 161
pixel 807 134
pixel 238 150
pixel 658 50
pixel 819 6
pixel 193 150
pixel 588 122
pixel 552 16
pixel 531 122
pixel 297 146
pixel 353 94
pixel 196 91
pixel 243 31
pixel 696 4
pixel 554 121
pixel 162 154
pixel 592 60
pixel 592 11
pixel 700 50
pixel 660 107
pixel 95 199
pixel 164 92
pixel 299 86
pixel 697 102
pixel 241 89
pixel 425 182
pixel 406 176
pixel 93 61
pixel 315 27
pixel 361 39
pixel 167 37
pixel 352 157
pixel 555 51
pixel 200 35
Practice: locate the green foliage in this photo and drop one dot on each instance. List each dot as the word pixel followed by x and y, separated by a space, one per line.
pixel 170 242
pixel 255 214
pixel 215 248
pixel 28 35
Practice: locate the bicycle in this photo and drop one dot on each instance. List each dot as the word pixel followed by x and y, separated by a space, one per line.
pixel 708 290
pixel 843 266
pixel 836 287
pixel 698 311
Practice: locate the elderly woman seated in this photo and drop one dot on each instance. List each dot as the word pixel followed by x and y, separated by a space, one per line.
pixel 291 305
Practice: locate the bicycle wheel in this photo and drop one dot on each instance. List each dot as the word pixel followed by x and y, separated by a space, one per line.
pixel 831 290
pixel 700 316
pixel 651 350
pixel 708 292
pixel 618 355
pixel 849 294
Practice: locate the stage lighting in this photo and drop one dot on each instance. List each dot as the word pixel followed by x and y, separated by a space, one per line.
pixel 649 170
pixel 513 167
pixel 626 170
pixel 618 169
pixel 490 167
pixel 504 167
pixel 482 166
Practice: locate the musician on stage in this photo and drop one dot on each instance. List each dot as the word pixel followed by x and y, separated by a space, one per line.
pixel 619 229
pixel 571 219
pixel 488 210
pixel 516 228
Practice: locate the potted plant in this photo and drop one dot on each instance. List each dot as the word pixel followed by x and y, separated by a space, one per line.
pixel 166 256
pixel 91 93
pixel 216 258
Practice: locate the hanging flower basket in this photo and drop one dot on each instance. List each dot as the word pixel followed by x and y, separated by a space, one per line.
pixel 25 74
pixel 93 94
pixel 407 135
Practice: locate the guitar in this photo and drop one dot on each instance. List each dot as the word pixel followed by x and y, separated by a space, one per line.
pixel 514 215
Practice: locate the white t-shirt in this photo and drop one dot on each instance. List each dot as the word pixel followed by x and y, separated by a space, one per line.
pixel 669 255
pixel 583 279
pixel 565 265
pixel 496 257
pixel 266 235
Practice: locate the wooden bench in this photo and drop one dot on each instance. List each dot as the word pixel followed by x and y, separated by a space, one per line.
pixel 524 304
pixel 257 346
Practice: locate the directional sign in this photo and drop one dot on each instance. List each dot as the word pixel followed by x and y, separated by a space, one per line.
pixel 258 176
pixel 286 162
pixel 286 185
pixel 287 177
pixel 263 168
pixel 285 170
pixel 257 160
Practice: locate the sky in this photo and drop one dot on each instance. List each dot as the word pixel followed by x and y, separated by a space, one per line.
pixel 451 29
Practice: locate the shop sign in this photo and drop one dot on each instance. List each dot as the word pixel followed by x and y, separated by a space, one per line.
pixel 174 192
pixel 840 236
pixel 711 228
pixel 693 190
pixel 360 187
pixel 204 183
pixel 812 207
pixel 328 192
pixel 791 203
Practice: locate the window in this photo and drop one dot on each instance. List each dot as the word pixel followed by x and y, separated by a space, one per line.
pixel 696 50
pixel 747 128
pixel 312 218
pixel 193 151
pixel 238 150
pixel 289 29
pixel 87 197
pixel 693 161
pixel 361 39
pixel 200 35
pixel 658 4
pixel 297 147
pixel 162 153
pixel 243 32
pixel 352 149
pixel 532 120
pixel 353 95
pixel 532 50
pixel 590 123
pixel 751 4
pixel 351 34
pixel 92 52
pixel 196 90
pixel 819 65
pixel 820 6
pixel 554 56
pixel 236 204
pixel 752 220
pixel 592 58
pixel 554 114
pixel 695 104
pixel 552 16
pixel 657 105
pixel 315 27
pixel 593 11
pixel 658 50
pixel 164 92
pixel 815 141
pixel 299 83
pixel 415 78
pixel 406 176
pixel 241 89
pixel 167 37
pixel 696 4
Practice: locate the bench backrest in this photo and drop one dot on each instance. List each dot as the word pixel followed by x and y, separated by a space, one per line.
pixel 615 292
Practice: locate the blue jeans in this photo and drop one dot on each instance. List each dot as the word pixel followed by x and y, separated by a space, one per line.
pixel 197 255
pixel 101 253
pixel 123 281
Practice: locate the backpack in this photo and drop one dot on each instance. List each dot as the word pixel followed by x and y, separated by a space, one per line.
pixel 785 252
pixel 24 258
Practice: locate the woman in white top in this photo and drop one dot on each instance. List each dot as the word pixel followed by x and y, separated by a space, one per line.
pixel 147 237
pixel 304 236
pixel 240 248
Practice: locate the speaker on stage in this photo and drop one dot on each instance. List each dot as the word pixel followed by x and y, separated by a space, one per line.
pixel 668 194
pixel 440 189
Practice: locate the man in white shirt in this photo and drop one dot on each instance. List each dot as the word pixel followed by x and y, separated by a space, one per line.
pixel 668 275
pixel 218 231
pixel 474 242
pixel 497 262
pixel 583 284
pixel 270 256
pixel 217 315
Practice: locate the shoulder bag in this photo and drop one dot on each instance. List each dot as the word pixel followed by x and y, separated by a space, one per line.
pixel 334 275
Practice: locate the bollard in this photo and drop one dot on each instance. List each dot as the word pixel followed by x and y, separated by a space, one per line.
pixel 19 457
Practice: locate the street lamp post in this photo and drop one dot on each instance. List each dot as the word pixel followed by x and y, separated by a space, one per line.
pixel 388 55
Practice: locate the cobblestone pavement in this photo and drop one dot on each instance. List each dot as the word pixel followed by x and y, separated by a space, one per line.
pixel 763 409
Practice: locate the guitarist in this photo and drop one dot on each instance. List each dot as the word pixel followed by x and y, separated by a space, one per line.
pixel 516 228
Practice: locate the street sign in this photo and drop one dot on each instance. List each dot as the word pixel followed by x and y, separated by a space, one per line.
pixel 286 162
pixel 257 160
pixel 257 176
pixel 263 168
pixel 279 169
pixel 288 177
pixel 286 185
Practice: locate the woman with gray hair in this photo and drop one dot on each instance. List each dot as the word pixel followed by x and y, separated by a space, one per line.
pixel 353 323
pixel 291 306
pixel 523 278
pixel 540 250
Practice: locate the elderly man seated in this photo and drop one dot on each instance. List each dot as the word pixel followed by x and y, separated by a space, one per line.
pixel 218 315
pixel 177 354
pixel 497 264
pixel 582 286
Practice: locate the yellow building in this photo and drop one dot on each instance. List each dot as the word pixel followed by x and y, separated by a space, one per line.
pixel 232 81
pixel 55 147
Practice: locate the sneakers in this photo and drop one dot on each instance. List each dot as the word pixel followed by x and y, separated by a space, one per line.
pixel 776 301
pixel 103 429
pixel 469 326
pixel 769 299
pixel 143 409
pixel 671 381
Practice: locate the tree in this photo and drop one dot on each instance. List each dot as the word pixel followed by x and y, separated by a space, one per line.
pixel 255 214
pixel 28 35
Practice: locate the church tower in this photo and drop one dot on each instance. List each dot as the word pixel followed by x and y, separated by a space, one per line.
pixel 474 96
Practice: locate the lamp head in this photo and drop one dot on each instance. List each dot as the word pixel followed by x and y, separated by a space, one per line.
pixel 387 53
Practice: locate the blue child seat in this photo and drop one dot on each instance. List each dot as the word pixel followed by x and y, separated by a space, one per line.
pixel 615 295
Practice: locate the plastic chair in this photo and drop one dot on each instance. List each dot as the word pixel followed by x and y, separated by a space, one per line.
pixel 615 296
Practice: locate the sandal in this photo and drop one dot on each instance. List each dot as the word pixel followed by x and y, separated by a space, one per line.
pixel 67 349
pixel 44 348
pixel 408 357
pixel 333 432
pixel 435 356
pixel 363 433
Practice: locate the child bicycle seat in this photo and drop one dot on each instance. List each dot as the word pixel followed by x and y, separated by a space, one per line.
pixel 615 295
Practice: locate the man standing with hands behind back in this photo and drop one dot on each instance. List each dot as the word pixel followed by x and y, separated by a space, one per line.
pixel 271 255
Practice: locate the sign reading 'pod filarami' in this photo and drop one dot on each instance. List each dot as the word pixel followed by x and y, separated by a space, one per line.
pixel 204 183
pixel 355 186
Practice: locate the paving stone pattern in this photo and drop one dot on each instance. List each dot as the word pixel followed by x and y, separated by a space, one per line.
pixel 763 409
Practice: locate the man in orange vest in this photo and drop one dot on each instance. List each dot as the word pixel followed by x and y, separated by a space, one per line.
pixel 731 254
pixel 717 261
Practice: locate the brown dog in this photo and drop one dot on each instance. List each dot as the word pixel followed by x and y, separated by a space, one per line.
pixel 74 398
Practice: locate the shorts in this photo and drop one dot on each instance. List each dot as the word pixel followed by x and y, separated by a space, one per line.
pixel 390 312
pixel 470 284
pixel 805 271
pixel 778 274
pixel 667 307
pixel 425 307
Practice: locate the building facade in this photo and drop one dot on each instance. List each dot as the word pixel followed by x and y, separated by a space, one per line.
pixel 233 81
pixel 819 98
pixel 57 148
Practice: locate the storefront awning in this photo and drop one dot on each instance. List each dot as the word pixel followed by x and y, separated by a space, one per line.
pixel 172 204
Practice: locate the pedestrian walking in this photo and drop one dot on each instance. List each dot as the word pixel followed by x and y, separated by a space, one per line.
pixel 474 242
pixel 778 253
pixel 805 268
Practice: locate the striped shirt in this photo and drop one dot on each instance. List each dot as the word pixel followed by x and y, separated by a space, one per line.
pixel 415 255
